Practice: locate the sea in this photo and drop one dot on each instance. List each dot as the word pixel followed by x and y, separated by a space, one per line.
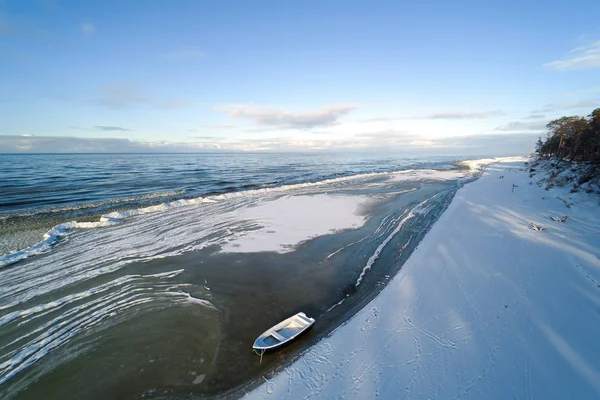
pixel 150 275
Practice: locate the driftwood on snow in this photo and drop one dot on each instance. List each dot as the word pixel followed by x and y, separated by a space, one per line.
pixel 536 227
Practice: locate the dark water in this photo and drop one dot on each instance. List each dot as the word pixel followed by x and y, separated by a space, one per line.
pixel 149 306
pixel 34 184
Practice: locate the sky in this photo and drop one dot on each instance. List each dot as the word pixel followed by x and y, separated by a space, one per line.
pixel 428 77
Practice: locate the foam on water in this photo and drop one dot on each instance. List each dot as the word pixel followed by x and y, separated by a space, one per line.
pixel 50 239
pixel 84 206
pixel 418 209
pixel 60 231
pixel 88 308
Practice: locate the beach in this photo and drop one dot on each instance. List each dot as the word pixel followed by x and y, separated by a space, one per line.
pixel 485 307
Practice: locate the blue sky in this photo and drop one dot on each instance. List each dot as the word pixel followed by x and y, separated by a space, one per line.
pixel 430 76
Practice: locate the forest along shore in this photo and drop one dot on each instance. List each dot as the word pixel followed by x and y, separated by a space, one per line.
pixel 500 300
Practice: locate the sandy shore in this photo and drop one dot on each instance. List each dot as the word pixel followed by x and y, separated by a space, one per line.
pixel 485 307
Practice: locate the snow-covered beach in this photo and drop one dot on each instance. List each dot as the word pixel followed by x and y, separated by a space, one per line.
pixel 485 307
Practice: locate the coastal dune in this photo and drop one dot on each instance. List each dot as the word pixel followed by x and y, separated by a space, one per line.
pixel 485 307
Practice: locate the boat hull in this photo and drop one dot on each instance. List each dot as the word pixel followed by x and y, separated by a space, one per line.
pixel 283 333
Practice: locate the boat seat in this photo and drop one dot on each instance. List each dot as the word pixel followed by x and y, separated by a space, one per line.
pixel 303 318
pixel 277 336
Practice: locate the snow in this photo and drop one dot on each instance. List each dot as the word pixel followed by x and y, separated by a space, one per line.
pixel 570 177
pixel 480 163
pixel 418 174
pixel 485 307
pixel 289 220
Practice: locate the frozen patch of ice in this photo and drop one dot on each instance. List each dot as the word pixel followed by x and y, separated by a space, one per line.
pixel 199 379
pixel 287 221
pixel 419 174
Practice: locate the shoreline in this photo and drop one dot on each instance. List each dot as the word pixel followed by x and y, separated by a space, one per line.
pixel 352 304
pixel 248 290
pixel 459 319
pixel 353 297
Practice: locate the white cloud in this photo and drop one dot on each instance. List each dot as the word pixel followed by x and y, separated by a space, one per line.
pixel 520 126
pixel 460 115
pixel 185 53
pixel 219 126
pixel 422 143
pixel 212 128
pixel 69 144
pixel 111 128
pixel 380 119
pixel 284 119
pixel 568 106
pixel 535 116
pixel 88 29
pixel 387 134
pixel 583 57
pixel 205 137
pixel 465 115
pixel 105 128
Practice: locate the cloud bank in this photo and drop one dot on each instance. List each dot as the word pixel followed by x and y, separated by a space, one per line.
pixel 520 126
pixel 283 119
pixel 457 115
pixel 397 142
pixel 591 104
pixel 111 128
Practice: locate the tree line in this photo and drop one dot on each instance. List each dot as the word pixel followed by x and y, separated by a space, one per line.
pixel 574 138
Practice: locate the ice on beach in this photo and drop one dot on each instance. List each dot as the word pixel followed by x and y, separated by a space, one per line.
pixel 287 221
pixel 418 174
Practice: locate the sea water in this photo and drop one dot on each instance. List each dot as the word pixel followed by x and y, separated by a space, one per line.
pixel 133 275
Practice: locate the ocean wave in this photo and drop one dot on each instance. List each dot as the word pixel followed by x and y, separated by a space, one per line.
pixel 50 238
pixel 86 206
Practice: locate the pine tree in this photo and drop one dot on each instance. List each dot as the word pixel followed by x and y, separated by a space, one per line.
pixel 539 145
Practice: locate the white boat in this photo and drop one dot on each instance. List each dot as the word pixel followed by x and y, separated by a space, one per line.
pixel 283 332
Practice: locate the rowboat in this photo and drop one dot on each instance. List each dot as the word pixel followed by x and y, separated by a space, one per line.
pixel 283 332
